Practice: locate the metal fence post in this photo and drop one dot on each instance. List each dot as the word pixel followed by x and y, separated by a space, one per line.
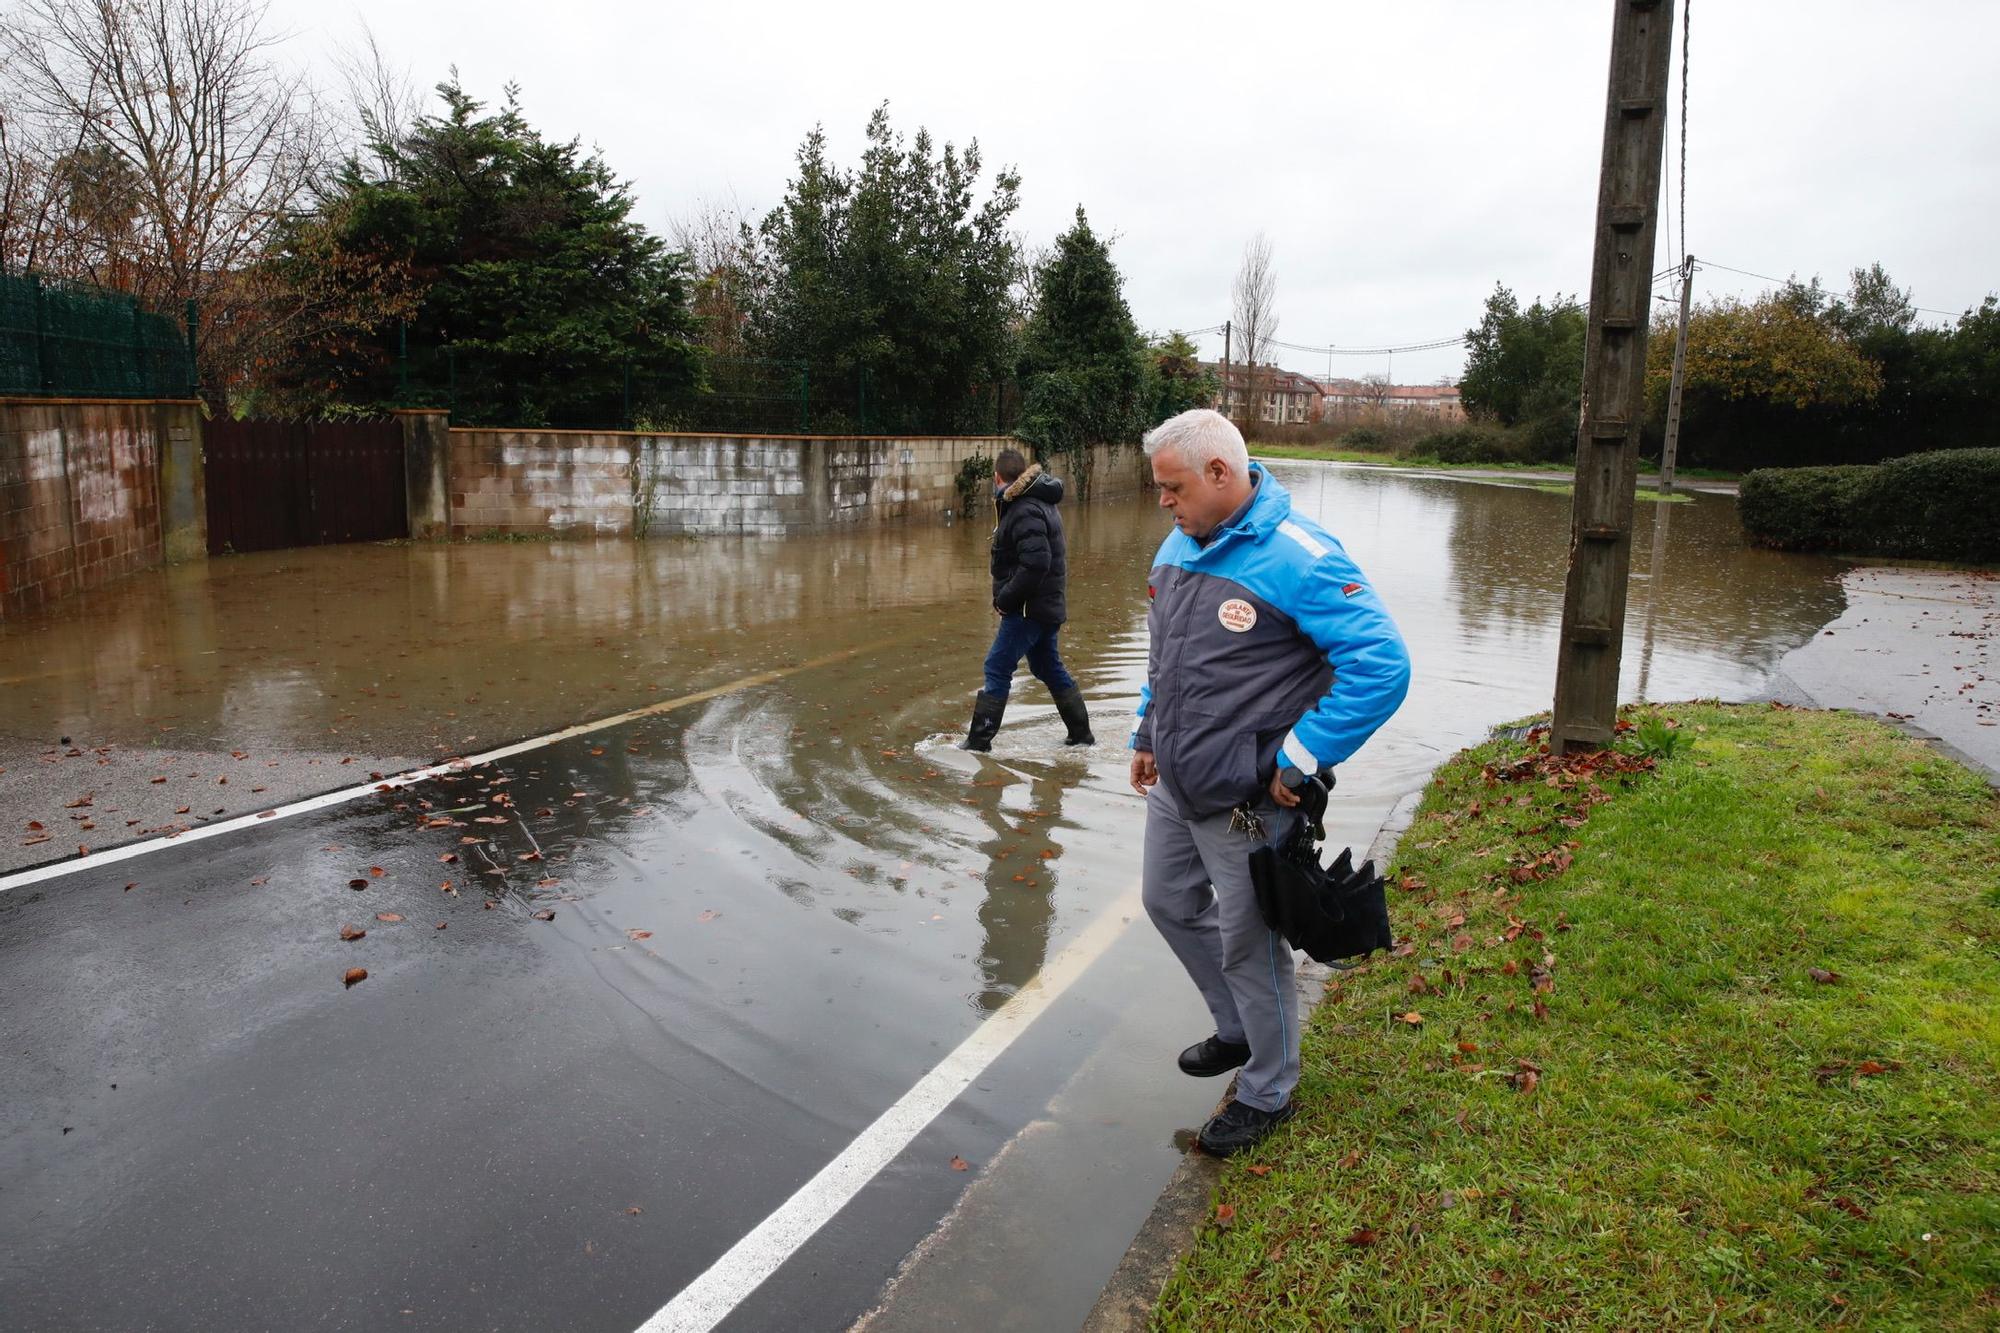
pixel 42 370
pixel 139 376
pixel 193 365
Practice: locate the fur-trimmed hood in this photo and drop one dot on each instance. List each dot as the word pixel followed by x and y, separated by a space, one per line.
pixel 1046 486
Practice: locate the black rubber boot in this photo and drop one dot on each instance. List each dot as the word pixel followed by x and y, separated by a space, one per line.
pixel 1075 716
pixel 986 714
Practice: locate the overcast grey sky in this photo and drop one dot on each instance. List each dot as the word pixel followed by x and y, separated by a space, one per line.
pixel 1402 156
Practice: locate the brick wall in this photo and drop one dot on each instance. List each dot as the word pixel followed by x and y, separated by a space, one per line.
pixel 79 496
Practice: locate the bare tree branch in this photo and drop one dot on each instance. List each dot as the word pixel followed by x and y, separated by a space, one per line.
pixel 181 103
pixel 1254 311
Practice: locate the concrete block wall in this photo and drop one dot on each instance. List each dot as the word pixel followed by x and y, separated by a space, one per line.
pixel 81 493
pixel 582 483
pixel 724 484
pixel 531 483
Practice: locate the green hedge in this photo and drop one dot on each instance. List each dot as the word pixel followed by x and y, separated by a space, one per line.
pixel 1931 506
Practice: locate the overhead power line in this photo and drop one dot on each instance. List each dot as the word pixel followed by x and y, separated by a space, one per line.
pixel 1765 277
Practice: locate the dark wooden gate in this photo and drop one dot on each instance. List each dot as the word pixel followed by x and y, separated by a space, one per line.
pixel 273 484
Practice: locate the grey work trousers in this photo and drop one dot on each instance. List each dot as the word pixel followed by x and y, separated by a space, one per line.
pixel 1197 890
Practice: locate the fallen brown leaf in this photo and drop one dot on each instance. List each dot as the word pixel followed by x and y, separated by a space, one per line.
pixel 1225 1215
pixel 1362 1238
pixel 546 914
pixel 708 914
pixel 357 883
pixel 355 975
pixel 390 917
pixel 638 934
pixel 1352 1160
pixel 1259 1171
pixel 1413 1018
pixel 960 1164
pixel 1822 976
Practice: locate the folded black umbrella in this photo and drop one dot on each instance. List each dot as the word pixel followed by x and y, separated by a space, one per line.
pixel 1327 912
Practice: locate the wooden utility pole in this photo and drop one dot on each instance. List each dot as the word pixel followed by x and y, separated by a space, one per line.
pixel 1673 440
pixel 1225 366
pixel 1614 374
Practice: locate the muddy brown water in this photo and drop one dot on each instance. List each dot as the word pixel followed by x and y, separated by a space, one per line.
pixel 832 895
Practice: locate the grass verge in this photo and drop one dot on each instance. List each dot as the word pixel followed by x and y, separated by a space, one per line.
pixel 1642 495
pixel 1387 458
pixel 1716 1044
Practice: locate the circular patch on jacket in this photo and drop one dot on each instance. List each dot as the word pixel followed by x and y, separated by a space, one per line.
pixel 1236 615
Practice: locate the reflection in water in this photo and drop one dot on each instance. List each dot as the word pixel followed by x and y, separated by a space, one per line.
pixel 1020 876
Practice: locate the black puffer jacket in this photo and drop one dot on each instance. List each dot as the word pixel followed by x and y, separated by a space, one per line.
pixel 1030 561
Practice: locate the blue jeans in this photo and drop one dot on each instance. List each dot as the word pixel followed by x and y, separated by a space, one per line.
pixel 1020 636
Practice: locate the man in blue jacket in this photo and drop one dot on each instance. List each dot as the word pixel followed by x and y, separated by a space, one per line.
pixel 1271 659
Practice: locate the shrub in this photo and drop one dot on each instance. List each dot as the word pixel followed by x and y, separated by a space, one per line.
pixel 1930 506
pixel 1462 444
pixel 1934 506
pixel 1365 437
pixel 1800 508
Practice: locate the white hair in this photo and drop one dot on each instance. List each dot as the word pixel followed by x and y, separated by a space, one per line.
pixel 1196 436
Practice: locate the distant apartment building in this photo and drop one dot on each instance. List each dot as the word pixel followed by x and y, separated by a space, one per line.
pixel 1351 398
pixel 1283 397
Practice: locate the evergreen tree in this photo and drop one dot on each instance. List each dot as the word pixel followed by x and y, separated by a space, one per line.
pixel 891 276
pixel 1083 365
pixel 534 292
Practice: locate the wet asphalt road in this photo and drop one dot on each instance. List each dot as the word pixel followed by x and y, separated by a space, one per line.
pixel 774 910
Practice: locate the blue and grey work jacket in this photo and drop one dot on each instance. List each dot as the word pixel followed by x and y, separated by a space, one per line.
pixel 1266 641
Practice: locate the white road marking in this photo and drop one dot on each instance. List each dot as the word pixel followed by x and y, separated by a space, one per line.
pixel 710 1298
pixel 397 781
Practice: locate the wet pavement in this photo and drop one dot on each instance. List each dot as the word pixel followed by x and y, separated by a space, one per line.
pixel 776 904
pixel 1915 645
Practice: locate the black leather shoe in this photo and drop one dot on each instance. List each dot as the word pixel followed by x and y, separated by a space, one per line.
pixel 1238 1127
pixel 1212 1056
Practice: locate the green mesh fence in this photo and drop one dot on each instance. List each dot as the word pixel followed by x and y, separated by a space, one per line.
pixel 726 395
pixel 64 339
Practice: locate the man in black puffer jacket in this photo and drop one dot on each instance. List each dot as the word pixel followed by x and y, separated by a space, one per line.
pixel 1030 578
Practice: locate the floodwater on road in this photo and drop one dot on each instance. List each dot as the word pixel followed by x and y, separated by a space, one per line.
pixel 776 906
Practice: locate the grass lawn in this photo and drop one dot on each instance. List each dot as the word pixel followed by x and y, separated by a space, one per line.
pixel 1643 495
pixel 1385 458
pixel 1716 1045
